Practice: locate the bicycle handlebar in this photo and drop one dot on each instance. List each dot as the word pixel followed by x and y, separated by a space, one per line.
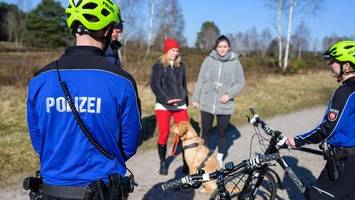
pixel 195 180
pixel 256 121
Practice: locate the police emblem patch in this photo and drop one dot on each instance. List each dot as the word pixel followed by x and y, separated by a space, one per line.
pixel 332 115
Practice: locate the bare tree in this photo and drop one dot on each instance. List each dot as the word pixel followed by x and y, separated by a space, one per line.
pixel 265 40
pixel 10 19
pixel 132 16
pixel 293 7
pixel 152 5
pixel 301 38
pixel 237 43
pixel 316 46
pixel 14 24
pixel 279 9
pixel 171 23
pixel 330 40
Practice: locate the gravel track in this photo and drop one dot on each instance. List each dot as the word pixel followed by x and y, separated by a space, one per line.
pixel 145 165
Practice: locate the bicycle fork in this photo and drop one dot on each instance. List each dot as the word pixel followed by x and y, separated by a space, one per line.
pixel 259 175
pixel 222 191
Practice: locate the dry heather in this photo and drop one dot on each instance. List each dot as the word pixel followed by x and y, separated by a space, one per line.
pixel 270 93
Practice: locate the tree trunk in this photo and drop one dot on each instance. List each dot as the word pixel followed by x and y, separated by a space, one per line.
pixel 150 28
pixel 299 53
pixel 279 30
pixel 289 28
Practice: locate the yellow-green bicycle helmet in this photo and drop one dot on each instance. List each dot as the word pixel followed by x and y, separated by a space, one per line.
pixel 94 15
pixel 343 51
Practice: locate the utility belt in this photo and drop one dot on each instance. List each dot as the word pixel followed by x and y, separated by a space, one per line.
pixel 335 157
pixel 118 188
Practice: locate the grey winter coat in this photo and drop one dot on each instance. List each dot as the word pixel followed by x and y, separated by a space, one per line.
pixel 219 76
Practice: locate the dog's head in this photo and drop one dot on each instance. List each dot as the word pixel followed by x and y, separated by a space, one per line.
pixel 184 130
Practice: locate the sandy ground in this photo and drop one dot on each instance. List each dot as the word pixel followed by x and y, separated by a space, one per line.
pixel 145 165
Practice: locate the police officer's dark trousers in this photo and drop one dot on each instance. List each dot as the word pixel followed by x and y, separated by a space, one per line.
pixel 343 188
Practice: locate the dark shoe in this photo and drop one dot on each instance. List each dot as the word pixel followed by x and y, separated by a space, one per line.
pixel 163 168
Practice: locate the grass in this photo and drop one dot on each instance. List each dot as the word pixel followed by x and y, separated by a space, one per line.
pixel 270 92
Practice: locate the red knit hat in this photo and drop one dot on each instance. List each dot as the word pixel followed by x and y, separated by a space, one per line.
pixel 170 43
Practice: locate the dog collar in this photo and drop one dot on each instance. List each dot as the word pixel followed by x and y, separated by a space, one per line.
pixel 193 145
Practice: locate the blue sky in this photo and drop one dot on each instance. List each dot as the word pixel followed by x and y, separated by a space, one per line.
pixel 233 16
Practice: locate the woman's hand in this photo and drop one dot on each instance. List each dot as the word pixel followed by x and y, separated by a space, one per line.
pixel 174 102
pixel 224 99
pixel 291 142
pixel 195 105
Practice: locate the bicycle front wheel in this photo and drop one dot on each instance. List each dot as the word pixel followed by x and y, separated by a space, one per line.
pixel 236 183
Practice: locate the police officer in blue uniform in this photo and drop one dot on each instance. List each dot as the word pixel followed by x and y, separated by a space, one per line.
pixel 112 52
pixel 337 129
pixel 83 113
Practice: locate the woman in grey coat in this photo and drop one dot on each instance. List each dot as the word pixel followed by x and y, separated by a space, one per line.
pixel 220 80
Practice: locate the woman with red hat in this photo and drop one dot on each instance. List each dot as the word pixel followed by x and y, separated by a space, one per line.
pixel 168 82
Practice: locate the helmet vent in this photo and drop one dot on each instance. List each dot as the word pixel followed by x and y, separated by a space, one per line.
pixel 110 2
pixel 90 6
pixel 105 12
pixel 91 18
pixel 349 46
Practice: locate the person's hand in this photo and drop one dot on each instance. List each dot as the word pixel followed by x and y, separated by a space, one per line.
pixel 174 102
pixel 291 142
pixel 224 99
pixel 195 105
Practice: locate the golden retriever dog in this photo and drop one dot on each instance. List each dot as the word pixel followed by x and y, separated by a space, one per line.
pixel 196 153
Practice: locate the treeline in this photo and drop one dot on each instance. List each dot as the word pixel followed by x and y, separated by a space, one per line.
pixel 42 27
pixel 148 22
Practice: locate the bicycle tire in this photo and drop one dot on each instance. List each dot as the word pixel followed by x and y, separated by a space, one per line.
pixel 237 181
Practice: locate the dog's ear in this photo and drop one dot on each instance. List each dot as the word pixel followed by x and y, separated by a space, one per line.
pixel 182 127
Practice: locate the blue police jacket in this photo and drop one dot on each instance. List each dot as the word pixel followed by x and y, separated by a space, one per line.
pixel 107 100
pixel 338 124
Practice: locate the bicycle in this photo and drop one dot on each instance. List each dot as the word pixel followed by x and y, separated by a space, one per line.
pixel 252 178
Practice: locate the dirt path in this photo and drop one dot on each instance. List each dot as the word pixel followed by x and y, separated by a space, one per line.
pixel 145 165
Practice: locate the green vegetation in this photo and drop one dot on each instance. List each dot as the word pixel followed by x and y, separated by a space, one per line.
pixel 270 91
pixel 48 17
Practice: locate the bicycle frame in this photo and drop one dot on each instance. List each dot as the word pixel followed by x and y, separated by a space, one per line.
pixel 255 168
pixel 271 149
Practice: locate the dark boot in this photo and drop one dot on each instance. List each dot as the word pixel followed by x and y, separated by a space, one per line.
pixel 162 154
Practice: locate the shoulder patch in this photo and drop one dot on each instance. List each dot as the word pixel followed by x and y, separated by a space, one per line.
pixel 332 115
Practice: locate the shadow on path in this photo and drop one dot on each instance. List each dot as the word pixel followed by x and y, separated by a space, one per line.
pixel 304 174
pixel 212 141
pixel 156 193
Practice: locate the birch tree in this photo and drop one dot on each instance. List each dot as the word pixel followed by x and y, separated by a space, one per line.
pixel 293 7
pixel 301 38
pixel 152 7
pixel 279 29
pixel 171 23
pixel 131 14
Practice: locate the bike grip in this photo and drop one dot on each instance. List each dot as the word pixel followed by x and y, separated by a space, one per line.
pixel 271 157
pixel 171 185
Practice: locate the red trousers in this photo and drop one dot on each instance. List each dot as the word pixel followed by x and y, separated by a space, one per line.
pixel 163 118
